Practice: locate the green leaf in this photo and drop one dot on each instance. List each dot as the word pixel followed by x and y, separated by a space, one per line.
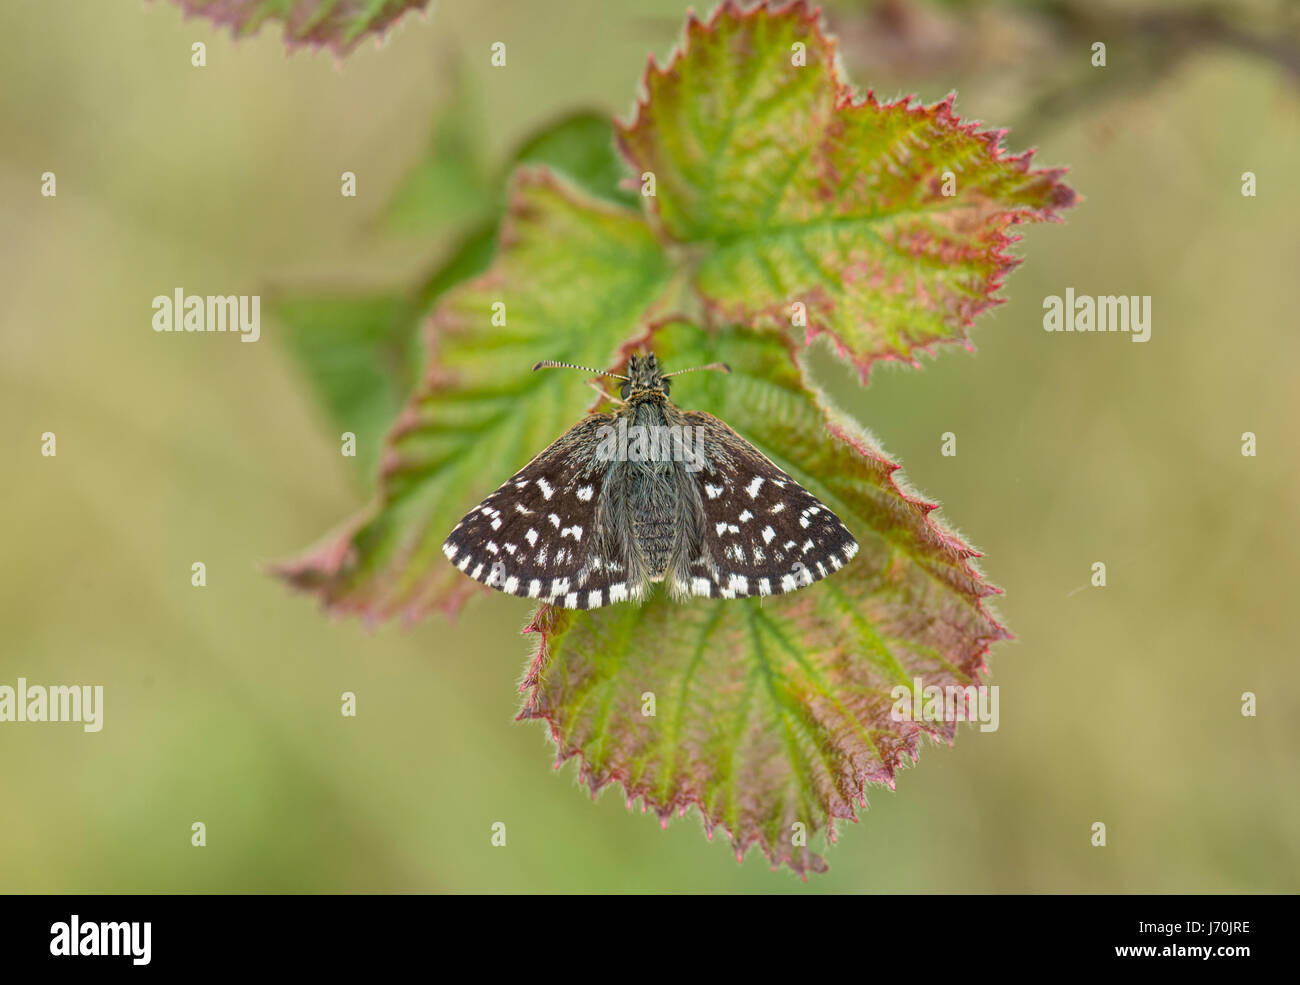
pixel 581 147
pixel 451 184
pixel 337 24
pixel 771 712
pixel 479 402
pixel 357 354
pixel 361 353
pixel 791 191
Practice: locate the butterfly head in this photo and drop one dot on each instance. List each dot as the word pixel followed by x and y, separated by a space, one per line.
pixel 644 379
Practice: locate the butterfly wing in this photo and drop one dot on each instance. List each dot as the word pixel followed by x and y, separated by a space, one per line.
pixel 542 534
pixel 763 533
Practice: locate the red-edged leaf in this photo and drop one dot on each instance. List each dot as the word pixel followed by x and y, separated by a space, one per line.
pixel 794 192
pixel 337 24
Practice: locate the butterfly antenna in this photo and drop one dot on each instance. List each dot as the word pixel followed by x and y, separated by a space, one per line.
pixel 721 367
pixel 552 364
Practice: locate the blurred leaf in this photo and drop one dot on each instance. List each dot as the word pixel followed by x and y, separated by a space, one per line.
pixel 358 354
pixel 791 191
pixel 479 401
pixel 770 711
pixel 453 184
pixel 361 353
pixel 581 147
pixel 469 258
pixel 337 24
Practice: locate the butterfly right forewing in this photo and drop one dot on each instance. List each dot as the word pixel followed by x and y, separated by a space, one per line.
pixel 762 532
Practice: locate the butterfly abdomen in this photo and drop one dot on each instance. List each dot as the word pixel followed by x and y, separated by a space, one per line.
pixel 653 503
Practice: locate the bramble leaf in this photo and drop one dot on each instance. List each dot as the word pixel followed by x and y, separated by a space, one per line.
pixel 479 403
pixel 337 24
pixel 791 191
pixel 774 711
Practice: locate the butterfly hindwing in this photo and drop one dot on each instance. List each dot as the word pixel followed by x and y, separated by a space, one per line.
pixel 763 533
pixel 540 534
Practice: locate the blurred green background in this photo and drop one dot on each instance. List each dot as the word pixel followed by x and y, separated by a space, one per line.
pixel 222 704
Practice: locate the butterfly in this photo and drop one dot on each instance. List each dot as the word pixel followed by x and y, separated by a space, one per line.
pixel 648 493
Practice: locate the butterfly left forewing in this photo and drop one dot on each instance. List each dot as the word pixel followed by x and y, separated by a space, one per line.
pixel 541 533
pixel 762 532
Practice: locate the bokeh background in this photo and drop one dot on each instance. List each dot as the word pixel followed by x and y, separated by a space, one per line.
pixel 1119 704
